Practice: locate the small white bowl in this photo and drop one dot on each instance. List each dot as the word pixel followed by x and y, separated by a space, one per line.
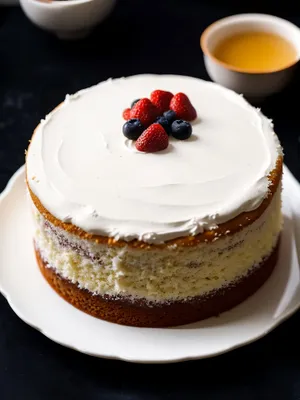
pixel 251 84
pixel 68 19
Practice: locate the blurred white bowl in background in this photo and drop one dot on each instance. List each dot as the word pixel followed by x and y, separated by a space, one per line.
pixel 68 19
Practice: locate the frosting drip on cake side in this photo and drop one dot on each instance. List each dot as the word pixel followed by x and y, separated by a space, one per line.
pixel 84 171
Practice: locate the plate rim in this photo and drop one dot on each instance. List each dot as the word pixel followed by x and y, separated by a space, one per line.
pixel 7 191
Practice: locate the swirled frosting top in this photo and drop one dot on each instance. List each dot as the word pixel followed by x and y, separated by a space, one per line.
pixel 84 171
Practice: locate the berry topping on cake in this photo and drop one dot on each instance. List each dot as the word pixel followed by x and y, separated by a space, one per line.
pixel 134 102
pixel 126 114
pixel 165 124
pixel 170 115
pixel 161 100
pixel 145 111
pixel 133 129
pixel 153 139
pixel 181 129
pixel 151 121
pixel 183 108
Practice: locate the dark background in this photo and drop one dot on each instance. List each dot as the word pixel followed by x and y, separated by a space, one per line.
pixel 36 71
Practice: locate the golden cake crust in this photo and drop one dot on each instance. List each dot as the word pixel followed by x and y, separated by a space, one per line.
pixel 138 313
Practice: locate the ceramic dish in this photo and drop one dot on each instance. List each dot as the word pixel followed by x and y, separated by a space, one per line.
pixel 37 304
pixel 67 19
pixel 252 85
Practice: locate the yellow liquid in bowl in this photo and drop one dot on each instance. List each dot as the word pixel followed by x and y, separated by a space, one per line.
pixel 256 52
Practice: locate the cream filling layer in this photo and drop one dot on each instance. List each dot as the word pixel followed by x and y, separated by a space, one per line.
pixel 171 273
pixel 84 171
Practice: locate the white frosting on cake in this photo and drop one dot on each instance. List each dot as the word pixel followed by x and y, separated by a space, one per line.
pixel 84 170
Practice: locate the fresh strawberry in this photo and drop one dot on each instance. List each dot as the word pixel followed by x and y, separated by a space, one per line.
pixel 161 100
pixel 152 139
pixel 126 114
pixel 183 108
pixel 145 111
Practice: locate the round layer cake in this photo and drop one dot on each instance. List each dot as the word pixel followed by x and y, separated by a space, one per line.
pixel 155 239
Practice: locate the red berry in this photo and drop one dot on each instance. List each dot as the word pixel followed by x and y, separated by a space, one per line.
pixel 183 108
pixel 145 111
pixel 126 114
pixel 152 139
pixel 161 100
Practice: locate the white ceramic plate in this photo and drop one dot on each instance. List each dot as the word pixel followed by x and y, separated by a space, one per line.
pixel 38 305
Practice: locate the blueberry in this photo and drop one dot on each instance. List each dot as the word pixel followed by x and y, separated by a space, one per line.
pixel 133 129
pixel 134 102
pixel 170 115
pixel 165 124
pixel 181 129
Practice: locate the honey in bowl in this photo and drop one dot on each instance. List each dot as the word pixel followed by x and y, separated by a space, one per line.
pixel 256 52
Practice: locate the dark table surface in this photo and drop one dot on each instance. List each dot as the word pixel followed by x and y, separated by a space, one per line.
pixel 36 71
